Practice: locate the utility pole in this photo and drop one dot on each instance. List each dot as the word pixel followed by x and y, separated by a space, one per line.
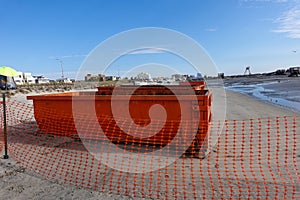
pixel 62 68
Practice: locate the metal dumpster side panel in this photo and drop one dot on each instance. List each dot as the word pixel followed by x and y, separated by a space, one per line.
pixel 53 114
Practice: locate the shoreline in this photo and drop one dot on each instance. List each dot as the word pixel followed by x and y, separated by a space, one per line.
pixel 284 92
pixel 267 102
pixel 242 106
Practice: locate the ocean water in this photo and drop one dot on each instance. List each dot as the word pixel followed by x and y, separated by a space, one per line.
pixel 283 93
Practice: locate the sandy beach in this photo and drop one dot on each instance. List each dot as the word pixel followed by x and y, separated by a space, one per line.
pixel 18 182
pixel 150 99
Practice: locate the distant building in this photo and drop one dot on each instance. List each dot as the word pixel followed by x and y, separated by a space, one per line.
pixel 294 71
pixel 41 80
pixel 24 78
pixel 29 79
pixel 179 77
pixel 101 77
pixel 221 75
pixel 143 76
pixel 280 72
pixel 195 78
pixel 19 80
pixel 91 78
pixel 112 78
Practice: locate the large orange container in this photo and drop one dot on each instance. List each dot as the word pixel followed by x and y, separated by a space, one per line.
pixel 54 114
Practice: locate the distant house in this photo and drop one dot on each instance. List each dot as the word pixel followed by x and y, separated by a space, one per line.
pixel 294 71
pixel 196 78
pixel 112 78
pixel 179 77
pixel 29 79
pixel 19 80
pixel 24 78
pixel 143 77
pixel 41 80
pixel 91 78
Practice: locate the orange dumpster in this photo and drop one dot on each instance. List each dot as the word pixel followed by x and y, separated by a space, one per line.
pixel 54 113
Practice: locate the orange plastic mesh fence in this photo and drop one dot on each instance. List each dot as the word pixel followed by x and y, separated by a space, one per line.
pixel 255 158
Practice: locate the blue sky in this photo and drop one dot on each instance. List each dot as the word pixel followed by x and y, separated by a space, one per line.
pixel 262 34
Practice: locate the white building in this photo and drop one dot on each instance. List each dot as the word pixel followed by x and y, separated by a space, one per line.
pixel 19 79
pixel 143 76
pixel 41 79
pixel 24 78
pixel 178 77
pixel 112 78
pixel 29 79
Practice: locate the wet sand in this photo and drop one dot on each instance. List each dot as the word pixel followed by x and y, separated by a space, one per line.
pixel 278 90
pixel 240 106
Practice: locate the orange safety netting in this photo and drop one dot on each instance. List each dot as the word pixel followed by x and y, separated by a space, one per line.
pixel 255 158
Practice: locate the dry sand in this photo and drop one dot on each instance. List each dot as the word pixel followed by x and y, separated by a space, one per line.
pixel 20 183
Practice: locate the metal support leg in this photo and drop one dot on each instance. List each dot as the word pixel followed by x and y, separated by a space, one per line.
pixel 4 127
